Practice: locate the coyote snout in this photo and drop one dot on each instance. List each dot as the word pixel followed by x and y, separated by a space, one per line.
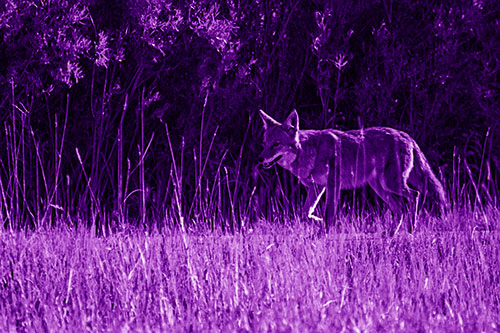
pixel 386 159
pixel 268 162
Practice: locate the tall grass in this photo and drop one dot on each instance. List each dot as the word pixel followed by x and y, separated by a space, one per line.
pixel 35 193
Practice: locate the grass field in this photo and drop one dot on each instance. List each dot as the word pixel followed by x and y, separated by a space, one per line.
pixel 274 277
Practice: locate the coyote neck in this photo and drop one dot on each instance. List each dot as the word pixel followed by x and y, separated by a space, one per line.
pixel 311 163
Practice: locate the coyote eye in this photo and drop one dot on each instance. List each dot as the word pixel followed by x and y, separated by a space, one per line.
pixel 274 145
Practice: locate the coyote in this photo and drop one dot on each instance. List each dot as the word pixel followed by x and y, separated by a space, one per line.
pixel 387 159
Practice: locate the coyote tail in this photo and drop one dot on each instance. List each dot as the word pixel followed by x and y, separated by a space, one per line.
pixel 432 183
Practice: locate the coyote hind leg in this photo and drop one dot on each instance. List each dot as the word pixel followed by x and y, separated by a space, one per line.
pixel 395 198
pixel 390 197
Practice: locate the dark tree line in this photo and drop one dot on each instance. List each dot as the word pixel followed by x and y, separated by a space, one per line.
pixel 88 89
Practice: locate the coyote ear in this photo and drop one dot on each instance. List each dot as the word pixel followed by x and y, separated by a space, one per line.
pixel 292 121
pixel 268 120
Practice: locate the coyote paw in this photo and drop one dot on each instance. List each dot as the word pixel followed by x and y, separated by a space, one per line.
pixel 314 217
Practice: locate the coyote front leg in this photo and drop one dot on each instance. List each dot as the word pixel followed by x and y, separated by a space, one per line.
pixel 333 187
pixel 312 201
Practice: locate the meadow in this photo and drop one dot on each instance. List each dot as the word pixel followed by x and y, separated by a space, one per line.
pixel 271 277
pixel 130 195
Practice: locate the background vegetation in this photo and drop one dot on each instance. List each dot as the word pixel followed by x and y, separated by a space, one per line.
pixel 116 111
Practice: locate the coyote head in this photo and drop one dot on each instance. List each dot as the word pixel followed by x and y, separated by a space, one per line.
pixel 281 141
